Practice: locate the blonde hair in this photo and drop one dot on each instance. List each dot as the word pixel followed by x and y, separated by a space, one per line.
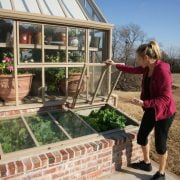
pixel 151 49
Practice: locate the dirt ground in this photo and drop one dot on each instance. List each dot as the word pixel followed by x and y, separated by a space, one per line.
pixel 173 163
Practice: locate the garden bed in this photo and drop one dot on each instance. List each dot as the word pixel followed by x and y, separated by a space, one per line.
pixel 14 136
pixel 60 142
pixel 106 118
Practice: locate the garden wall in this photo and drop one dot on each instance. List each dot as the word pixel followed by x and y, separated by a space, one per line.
pixel 87 160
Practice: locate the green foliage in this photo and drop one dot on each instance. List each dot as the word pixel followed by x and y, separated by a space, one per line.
pixel 14 136
pixel 71 124
pixel 44 129
pixel 105 119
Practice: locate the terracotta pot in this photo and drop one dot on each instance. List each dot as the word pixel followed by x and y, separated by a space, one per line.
pixel 49 39
pixel 7 86
pixel 62 38
pixel 73 82
pixel 23 38
pixel 38 38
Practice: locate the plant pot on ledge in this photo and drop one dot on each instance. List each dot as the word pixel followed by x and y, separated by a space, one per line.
pixel 8 90
pixel 73 82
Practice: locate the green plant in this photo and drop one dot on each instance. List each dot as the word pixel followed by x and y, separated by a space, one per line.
pixel 14 136
pixel 72 33
pixel 57 56
pixel 71 124
pixel 44 129
pixel 105 119
pixel 76 56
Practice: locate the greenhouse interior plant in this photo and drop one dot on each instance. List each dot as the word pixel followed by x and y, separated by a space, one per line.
pixel 73 38
pixel 7 80
pixel 73 81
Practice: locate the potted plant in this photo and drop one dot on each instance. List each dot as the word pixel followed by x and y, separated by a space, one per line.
pixel 73 39
pixel 73 81
pixel 62 37
pixel 76 56
pixel 48 35
pixel 38 36
pixel 7 80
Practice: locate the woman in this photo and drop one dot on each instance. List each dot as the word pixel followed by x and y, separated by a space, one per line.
pixel 157 102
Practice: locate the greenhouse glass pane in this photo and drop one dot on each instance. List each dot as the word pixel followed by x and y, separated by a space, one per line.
pixel 33 6
pixel 20 5
pixel 14 135
pixel 54 7
pixel 45 8
pixel 74 9
pixel 44 129
pixel 72 124
pixel 5 4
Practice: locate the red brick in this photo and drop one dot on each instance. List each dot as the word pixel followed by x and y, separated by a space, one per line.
pixel 100 145
pixel 92 164
pixel 12 168
pixel 51 158
pixel 94 145
pixel 132 136
pixel 57 156
pixel 28 164
pixel 36 162
pixel 35 175
pixel 77 151
pixel 50 171
pixel 89 170
pixel 107 159
pixel 104 154
pixel 105 143
pixel 71 153
pixel 3 170
pixel 77 163
pixel 19 166
pixel 82 148
pixel 94 174
pixel 44 160
pixel 88 148
pixel 59 175
pixel 110 142
pixel 87 159
pixel 64 155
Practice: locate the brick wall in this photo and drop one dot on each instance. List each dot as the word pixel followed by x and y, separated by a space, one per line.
pixel 80 162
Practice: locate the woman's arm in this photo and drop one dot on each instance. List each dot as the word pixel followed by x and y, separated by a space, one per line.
pixel 130 69
pixel 127 69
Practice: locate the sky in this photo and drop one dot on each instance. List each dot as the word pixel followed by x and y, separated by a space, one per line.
pixel 159 19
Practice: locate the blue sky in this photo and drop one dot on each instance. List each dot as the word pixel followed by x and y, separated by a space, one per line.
pixel 160 19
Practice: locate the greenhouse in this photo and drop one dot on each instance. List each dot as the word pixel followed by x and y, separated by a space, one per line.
pixel 55 89
pixel 47 46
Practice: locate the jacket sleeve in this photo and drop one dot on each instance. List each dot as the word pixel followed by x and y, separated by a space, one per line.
pixel 130 69
pixel 164 82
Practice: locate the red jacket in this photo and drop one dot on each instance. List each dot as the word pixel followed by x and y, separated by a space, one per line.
pixel 160 88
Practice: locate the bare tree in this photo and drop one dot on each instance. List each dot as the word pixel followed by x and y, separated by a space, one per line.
pixel 125 41
pixel 173 58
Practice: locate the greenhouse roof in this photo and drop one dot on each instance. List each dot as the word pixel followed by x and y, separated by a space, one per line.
pixel 75 9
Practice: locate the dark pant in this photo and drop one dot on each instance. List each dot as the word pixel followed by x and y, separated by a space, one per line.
pixel 161 130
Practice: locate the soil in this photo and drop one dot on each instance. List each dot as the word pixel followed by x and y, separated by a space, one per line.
pixel 173 163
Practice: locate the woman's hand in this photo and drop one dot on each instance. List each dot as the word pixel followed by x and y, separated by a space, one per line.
pixel 137 102
pixel 111 62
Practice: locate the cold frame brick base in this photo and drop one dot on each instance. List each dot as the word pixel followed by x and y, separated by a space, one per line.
pixel 81 161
